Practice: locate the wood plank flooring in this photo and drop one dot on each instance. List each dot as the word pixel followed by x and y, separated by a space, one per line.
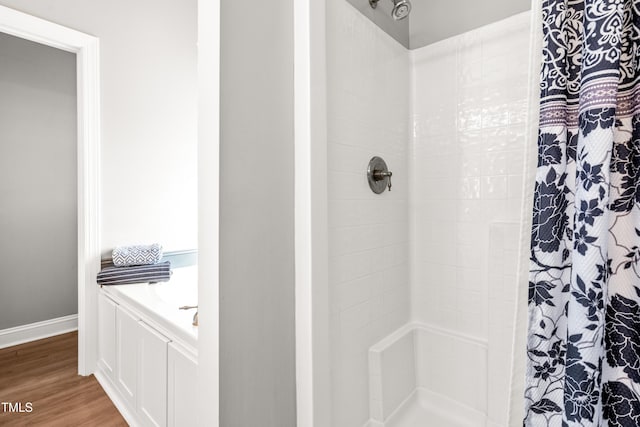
pixel 45 373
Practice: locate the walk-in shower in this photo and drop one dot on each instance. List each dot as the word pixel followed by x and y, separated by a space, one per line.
pixel 422 281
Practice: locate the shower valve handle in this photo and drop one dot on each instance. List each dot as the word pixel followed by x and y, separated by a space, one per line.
pixel 379 175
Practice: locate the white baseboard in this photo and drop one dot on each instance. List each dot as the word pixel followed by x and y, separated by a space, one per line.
pixel 37 331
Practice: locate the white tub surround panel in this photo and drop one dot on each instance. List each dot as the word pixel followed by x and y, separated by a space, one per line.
pixel 368 115
pixel 453 365
pixel 504 250
pixel 470 108
pixel 392 372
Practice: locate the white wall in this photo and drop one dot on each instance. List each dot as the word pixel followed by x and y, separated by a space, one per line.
pixel 38 220
pixel 368 115
pixel 257 353
pixel 149 121
pixel 470 105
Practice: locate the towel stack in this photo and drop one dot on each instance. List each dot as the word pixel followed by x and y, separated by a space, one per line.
pixel 135 264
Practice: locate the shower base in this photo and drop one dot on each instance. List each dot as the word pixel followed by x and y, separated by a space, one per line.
pixel 401 373
pixel 427 409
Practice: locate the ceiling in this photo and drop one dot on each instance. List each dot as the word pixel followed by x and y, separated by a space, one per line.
pixel 434 20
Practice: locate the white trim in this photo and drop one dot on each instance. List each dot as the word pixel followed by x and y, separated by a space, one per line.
pixel 37 331
pixel 208 210
pixel 313 373
pixel 86 48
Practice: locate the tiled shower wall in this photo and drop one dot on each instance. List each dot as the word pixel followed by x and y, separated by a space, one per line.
pixel 470 104
pixel 368 115
pixel 449 119
pixel 504 245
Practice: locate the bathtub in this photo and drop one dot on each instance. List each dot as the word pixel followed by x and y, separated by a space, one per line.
pixel 147 349
pixel 425 376
pixel 160 303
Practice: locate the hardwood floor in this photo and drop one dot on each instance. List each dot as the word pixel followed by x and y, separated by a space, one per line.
pixel 44 373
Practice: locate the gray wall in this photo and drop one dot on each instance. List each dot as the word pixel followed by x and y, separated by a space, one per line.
pixel 38 243
pixel 435 20
pixel 257 354
pixel 381 16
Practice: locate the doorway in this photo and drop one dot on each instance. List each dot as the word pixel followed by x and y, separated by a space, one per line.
pixel 86 49
pixel 38 215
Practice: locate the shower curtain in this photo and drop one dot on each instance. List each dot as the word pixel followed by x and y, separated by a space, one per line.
pixel 583 345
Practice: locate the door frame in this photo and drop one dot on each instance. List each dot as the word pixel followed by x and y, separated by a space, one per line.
pixel 313 359
pixel 86 48
pixel 208 212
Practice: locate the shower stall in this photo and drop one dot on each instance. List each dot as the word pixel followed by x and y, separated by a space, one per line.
pixel 410 302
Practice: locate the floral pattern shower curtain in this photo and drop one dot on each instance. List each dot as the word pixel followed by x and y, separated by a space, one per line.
pixel 584 292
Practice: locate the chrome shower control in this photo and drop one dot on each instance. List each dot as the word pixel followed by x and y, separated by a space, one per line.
pixel 378 175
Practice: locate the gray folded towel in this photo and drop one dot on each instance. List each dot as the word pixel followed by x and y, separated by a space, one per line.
pixel 113 275
pixel 124 256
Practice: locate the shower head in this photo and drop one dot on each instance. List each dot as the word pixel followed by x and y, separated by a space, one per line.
pixel 401 8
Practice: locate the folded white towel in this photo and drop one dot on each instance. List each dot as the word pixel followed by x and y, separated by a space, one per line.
pixel 124 256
